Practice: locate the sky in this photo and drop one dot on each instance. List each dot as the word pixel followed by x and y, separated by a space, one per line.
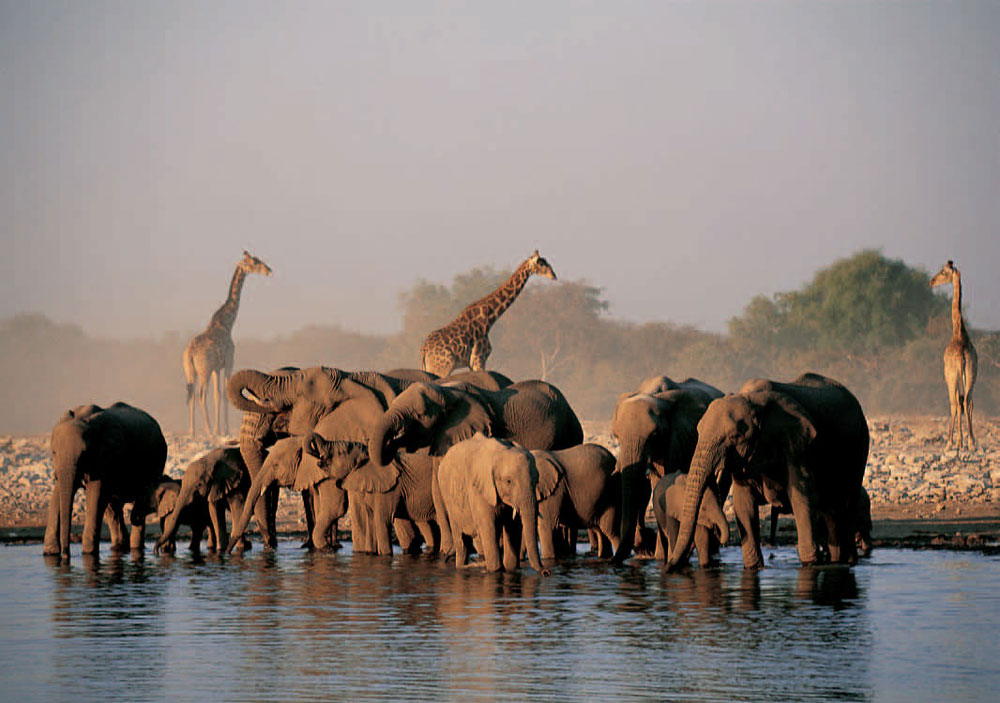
pixel 684 157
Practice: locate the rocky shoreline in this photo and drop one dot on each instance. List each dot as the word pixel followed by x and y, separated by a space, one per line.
pixel 922 494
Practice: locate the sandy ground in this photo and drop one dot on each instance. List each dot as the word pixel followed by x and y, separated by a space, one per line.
pixel 922 495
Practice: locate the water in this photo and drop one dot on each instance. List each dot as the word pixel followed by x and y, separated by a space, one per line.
pixel 294 626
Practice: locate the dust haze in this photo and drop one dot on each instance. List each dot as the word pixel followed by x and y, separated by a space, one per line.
pixel 679 158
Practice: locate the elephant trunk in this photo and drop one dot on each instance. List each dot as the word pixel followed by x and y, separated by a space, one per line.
pixel 388 426
pixel 260 482
pixel 170 526
pixel 632 465
pixel 712 513
pixel 254 391
pixel 706 458
pixel 529 532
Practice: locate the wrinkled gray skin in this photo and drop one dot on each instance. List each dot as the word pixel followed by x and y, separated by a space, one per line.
pixel 712 529
pixel 577 489
pixel 194 515
pixel 656 429
pixel 347 405
pixel 488 488
pixel 216 480
pixel 535 414
pixel 862 523
pixel 117 454
pixel 303 463
pixel 807 440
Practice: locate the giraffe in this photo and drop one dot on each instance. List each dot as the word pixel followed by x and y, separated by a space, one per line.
pixel 211 352
pixel 464 341
pixel 960 359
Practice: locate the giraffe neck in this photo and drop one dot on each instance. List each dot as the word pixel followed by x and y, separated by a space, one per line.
pixel 500 299
pixel 957 323
pixel 225 316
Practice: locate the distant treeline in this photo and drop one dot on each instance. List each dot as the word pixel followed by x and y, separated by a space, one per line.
pixel 871 322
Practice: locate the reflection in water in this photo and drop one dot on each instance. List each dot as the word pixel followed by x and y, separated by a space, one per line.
pixel 291 625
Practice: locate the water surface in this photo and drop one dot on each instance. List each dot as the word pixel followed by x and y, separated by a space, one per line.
pixel 294 626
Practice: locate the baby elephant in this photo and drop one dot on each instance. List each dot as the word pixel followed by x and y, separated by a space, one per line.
pixel 214 481
pixel 485 484
pixel 577 488
pixel 712 528
pixel 307 462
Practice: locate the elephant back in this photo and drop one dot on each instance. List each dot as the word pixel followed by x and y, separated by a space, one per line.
pixel 537 415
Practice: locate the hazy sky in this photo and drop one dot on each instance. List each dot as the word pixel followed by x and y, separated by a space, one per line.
pixel 684 157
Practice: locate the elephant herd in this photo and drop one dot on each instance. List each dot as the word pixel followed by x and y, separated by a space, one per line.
pixel 477 462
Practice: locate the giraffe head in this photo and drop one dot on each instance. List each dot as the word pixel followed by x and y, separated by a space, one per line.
pixel 251 264
pixel 539 266
pixel 945 275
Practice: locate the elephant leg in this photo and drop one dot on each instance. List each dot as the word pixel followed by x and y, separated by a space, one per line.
pixel 432 538
pixel 236 503
pixel 217 516
pixel 265 515
pixel 660 551
pixel 50 545
pixel 325 506
pixel 834 530
pixel 511 544
pixel 116 525
pixel 447 534
pixel 545 538
pixel 309 508
pixel 137 540
pixel 93 512
pixel 670 530
pixel 461 552
pixel 406 535
pixel 702 543
pixel 489 542
pixel 803 511
pixel 748 524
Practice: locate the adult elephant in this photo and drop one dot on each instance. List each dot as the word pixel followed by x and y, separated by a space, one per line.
pixel 118 454
pixel 306 463
pixel 485 485
pixel 656 430
pixel 218 479
pixel 808 439
pixel 582 492
pixel 712 529
pixel 534 414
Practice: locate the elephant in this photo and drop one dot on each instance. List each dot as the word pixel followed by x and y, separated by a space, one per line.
pixel 308 462
pixel 535 414
pixel 806 440
pixel 712 529
pixel 862 522
pixel 118 453
pixel 194 515
pixel 398 494
pixel 584 494
pixel 217 479
pixel 485 484
pixel 656 433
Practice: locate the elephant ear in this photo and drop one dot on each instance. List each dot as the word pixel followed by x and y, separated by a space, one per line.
pixel 464 416
pixel 481 475
pixel 166 498
pixel 786 428
pixel 550 474
pixel 308 472
pixel 370 478
pixel 225 479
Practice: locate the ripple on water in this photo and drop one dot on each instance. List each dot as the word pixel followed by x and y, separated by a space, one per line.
pixel 291 626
